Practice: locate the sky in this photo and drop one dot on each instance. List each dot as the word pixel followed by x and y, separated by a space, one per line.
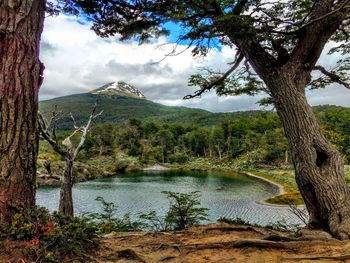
pixel 77 61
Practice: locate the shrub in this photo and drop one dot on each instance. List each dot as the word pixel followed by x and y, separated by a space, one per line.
pixel 183 212
pixel 46 237
pixel 179 157
pixel 107 221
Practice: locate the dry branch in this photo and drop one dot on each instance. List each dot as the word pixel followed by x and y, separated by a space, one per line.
pixel 218 81
pixel 333 76
pixel 340 257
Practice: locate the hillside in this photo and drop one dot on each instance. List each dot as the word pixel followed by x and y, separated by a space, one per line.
pixel 119 104
pixel 116 109
pixel 121 101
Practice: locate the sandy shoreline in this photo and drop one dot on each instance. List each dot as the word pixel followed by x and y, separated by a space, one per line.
pixel 281 190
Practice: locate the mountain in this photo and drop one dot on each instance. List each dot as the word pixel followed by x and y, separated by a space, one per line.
pixel 119 102
pixel 118 89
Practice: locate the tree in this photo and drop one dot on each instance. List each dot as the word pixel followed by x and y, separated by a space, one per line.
pixel 21 75
pixel 217 139
pixel 165 139
pixel 68 151
pixel 100 139
pixel 280 42
pixel 184 211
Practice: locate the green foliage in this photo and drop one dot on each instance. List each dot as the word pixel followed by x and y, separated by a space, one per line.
pixel 49 237
pixel 184 211
pixel 107 221
pixel 155 222
pixel 179 157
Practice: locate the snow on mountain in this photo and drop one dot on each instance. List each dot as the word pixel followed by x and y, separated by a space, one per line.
pixel 118 89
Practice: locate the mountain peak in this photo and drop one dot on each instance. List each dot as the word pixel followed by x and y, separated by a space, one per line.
pixel 119 88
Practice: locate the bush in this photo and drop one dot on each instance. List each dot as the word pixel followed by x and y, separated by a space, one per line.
pixel 46 237
pixel 183 212
pixel 107 222
pixel 179 157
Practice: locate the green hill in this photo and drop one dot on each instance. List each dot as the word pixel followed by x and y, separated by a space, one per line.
pixel 117 109
pixel 120 101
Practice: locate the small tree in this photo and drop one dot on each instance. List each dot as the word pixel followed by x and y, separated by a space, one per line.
pixel 184 211
pixel 68 151
pixel 108 221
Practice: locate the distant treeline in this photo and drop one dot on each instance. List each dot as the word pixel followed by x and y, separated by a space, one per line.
pixel 259 137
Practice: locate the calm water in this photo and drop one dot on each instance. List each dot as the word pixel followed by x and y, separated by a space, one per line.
pixel 232 196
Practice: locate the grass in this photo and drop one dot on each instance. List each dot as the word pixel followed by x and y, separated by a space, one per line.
pixel 286 179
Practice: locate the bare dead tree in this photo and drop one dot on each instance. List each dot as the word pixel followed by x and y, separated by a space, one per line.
pixel 68 151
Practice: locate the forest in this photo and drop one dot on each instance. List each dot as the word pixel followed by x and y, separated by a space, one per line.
pixel 256 139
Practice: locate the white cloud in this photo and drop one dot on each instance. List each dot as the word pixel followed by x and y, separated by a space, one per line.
pixel 77 61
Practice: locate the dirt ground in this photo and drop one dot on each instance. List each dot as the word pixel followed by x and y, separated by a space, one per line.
pixel 221 243
pixel 218 242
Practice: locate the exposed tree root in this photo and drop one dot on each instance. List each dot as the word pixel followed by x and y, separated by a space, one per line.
pixel 238 244
pixel 276 237
pixel 125 254
pixel 165 246
pixel 309 237
pixel 340 257
pixel 167 258
pixel 234 228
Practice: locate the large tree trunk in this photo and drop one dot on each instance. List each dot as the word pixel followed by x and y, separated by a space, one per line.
pixel 66 196
pixel 319 168
pixel 21 24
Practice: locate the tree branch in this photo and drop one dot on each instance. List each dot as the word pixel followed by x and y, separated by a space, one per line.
pixel 303 26
pixel 218 81
pixel 334 77
pixel 43 130
pixel 325 19
pixel 85 130
pixel 343 6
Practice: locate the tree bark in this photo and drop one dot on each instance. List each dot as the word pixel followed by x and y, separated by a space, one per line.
pixel 21 24
pixel 66 196
pixel 319 169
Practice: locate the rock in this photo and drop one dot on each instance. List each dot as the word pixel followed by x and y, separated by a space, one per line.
pixel 46 180
pixel 156 167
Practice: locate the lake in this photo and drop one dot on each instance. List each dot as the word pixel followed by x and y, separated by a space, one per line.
pixel 230 195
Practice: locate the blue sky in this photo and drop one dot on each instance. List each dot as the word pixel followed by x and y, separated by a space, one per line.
pixel 176 31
